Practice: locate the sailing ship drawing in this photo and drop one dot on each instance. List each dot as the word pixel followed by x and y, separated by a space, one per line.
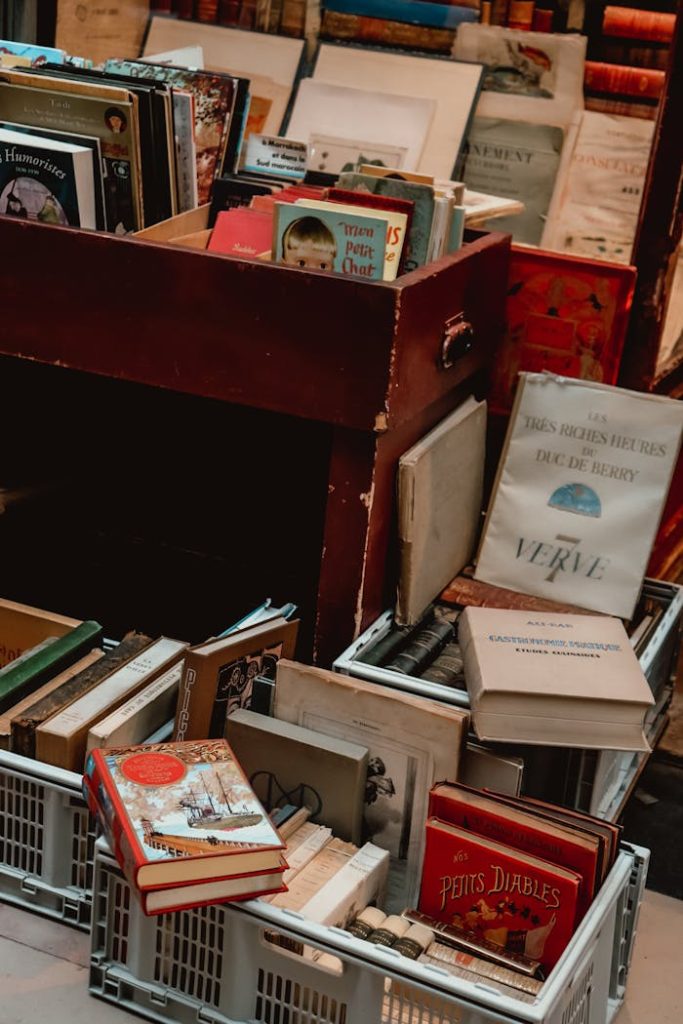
pixel 209 811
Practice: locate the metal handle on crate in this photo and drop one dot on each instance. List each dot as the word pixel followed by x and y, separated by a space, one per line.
pixel 457 340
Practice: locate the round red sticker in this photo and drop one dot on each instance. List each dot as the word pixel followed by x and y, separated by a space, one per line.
pixel 153 769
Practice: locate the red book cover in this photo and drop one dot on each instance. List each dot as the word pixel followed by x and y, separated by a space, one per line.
pixel 620 79
pixel 566 314
pixel 180 813
pixel 520 902
pixel 482 814
pixel 242 232
pixel 655 26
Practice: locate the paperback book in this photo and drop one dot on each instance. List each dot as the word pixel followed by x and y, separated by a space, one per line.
pixel 330 239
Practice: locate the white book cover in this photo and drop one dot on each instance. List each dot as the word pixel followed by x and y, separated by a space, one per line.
pixel 452 85
pixel 596 213
pixel 339 116
pixel 139 717
pixel 579 492
pixel 528 76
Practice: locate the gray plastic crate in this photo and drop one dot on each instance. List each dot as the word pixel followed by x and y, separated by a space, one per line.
pixel 46 840
pixel 216 965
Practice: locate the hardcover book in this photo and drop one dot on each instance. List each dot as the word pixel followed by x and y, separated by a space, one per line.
pixel 579 491
pixel 180 813
pixel 25 723
pixel 285 761
pixel 396 229
pixel 524 904
pixel 489 817
pixel 218 676
pixel 566 681
pixel 22 627
pixel 330 239
pixel 412 742
pixel 47 180
pixel 137 719
pixel 242 232
pixel 62 739
pixel 565 314
pixel 440 486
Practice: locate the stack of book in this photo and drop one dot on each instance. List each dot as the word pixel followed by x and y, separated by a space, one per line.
pixel 428 25
pixel 184 824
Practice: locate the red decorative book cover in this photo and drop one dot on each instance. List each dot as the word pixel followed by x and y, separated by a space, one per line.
pixel 180 813
pixel 566 314
pixel 521 829
pixel 517 901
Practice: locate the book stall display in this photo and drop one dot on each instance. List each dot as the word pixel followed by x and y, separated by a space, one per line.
pixel 335 301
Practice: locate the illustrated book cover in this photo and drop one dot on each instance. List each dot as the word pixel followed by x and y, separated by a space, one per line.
pixel 579 491
pixel 523 903
pixel 46 180
pixel 180 813
pixel 304 767
pixel 330 239
pixel 396 229
pixel 218 676
pixel 487 816
pixel 565 314
pixel 412 743
pixel 566 681
pixel 440 487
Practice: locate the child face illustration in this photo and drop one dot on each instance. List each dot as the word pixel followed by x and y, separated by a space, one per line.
pixel 309 254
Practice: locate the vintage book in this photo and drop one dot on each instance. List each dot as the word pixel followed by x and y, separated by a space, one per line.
pixel 484 767
pixel 98 30
pixel 617 78
pixel 635 52
pixel 518 160
pixel 474 969
pixel 202 894
pixel 242 232
pixel 374 201
pixel 657 26
pixel 184 119
pixel 566 314
pixel 22 627
pixel 358 882
pixel 330 239
pixel 232 192
pixel 566 681
pixel 109 113
pixel 281 760
pixel 88 141
pixel 46 180
pixel 485 815
pixel 350 126
pixel 412 743
pixel 218 675
pixel 418 193
pixel 302 846
pixel 62 739
pixel 440 488
pixel 463 590
pixel 522 903
pixel 362 29
pixel 142 715
pixel 451 84
pixel 589 466
pixel 18 710
pixel 395 233
pixel 31 54
pixel 315 875
pixel 599 200
pixel 180 813
pixel 416 12
pixel 422 647
pixel 24 726
pixel 626 107
pixel 26 674
pixel 377 171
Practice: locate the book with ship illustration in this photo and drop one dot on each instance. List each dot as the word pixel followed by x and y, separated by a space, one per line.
pixel 181 815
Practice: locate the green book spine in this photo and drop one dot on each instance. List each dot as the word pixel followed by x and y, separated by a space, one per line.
pixel 16 681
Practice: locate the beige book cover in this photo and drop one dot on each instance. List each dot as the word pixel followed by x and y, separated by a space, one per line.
pixel 286 762
pixel 62 740
pixel 324 866
pixel 142 715
pixel 218 675
pixel 440 486
pixel 412 743
pixel 47 688
pixel 568 681
pixel 89 29
pixel 579 492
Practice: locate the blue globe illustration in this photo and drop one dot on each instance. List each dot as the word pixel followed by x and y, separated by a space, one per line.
pixel 576 498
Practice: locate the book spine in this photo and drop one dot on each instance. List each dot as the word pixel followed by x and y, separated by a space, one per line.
pixel 336 25
pixel 485 12
pixel 625 108
pixel 185 9
pixel 542 20
pixel 247 14
pixel 229 12
pixel 521 14
pixel 293 18
pixel 207 10
pixel 101 803
pixel 655 26
pixel 616 78
pixel 499 12
pixel 414 12
pixel 634 54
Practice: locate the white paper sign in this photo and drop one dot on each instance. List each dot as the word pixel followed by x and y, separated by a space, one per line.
pixel 268 154
pixel 580 491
